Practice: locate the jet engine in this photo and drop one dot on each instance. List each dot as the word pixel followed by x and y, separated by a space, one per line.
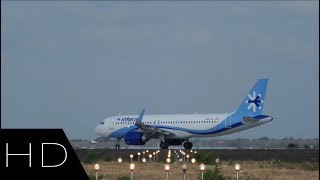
pixel 135 138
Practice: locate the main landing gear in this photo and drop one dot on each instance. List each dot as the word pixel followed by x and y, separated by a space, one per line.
pixel 164 145
pixel 118 144
pixel 187 145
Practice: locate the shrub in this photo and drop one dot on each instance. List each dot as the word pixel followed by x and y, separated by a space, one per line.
pixel 231 163
pixel 91 157
pixel 107 158
pixel 214 174
pixel 206 158
pixel 292 146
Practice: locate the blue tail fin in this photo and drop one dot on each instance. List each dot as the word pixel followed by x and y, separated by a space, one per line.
pixel 254 101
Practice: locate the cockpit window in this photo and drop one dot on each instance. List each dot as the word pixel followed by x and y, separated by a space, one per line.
pixel 102 123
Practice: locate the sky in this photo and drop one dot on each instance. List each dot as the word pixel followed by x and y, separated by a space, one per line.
pixel 72 64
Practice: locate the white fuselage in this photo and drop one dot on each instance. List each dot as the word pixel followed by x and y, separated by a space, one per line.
pixel 182 125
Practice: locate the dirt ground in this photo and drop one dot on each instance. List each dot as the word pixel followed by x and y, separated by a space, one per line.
pixel 249 170
pixel 277 164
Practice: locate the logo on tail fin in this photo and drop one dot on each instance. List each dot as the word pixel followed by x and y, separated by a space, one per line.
pixel 254 101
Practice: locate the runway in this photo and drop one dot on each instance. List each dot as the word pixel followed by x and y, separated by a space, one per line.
pixel 290 155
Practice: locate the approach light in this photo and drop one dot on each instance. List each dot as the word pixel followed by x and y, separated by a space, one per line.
pixel 193 160
pixel 202 167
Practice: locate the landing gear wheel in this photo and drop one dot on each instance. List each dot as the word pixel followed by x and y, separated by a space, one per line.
pixel 117 146
pixel 118 143
pixel 164 145
pixel 187 145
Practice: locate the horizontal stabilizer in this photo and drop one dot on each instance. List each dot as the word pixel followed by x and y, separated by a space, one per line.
pixel 248 119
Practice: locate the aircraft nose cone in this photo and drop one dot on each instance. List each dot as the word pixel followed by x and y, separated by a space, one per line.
pixel 99 130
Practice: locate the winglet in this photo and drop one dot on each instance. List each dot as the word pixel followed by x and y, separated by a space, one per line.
pixel 139 119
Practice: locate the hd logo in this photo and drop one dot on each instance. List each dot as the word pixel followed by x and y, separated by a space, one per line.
pixel 29 155
pixel 39 154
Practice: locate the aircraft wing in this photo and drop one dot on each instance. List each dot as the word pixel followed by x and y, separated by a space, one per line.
pixel 150 131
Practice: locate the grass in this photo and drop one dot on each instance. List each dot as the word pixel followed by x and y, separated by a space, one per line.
pixel 268 170
pixel 250 170
pixel 295 165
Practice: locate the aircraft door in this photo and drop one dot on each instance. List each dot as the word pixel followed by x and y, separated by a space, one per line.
pixel 111 124
pixel 228 122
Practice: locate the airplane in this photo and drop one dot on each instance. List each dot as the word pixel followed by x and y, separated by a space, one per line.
pixel 174 129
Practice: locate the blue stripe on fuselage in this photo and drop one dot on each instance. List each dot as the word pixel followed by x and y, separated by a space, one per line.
pixel 216 129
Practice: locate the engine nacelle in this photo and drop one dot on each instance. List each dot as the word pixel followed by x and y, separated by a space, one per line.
pixel 135 138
